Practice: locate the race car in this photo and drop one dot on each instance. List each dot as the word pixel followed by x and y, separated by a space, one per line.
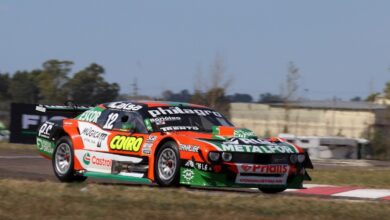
pixel 167 143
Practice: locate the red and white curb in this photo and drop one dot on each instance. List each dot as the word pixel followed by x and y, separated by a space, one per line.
pixel 343 192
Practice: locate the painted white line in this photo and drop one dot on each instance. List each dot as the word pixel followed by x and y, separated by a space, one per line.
pixel 315 185
pixel 20 157
pixel 365 193
pixel 291 190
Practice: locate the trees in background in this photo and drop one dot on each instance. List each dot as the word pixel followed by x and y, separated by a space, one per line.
pixel 380 139
pixel 4 84
pixel 52 84
pixel 23 88
pixel 240 97
pixel 182 96
pixel 290 92
pixel 51 80
pixel 212 92
pixel 270 98
pixel 89 87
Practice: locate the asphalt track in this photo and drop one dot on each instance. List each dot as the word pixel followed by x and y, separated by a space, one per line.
pixel 28 165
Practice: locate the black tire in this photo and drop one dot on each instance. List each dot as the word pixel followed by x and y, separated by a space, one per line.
pixel 65 174
pixel 174 180
pixel 271 190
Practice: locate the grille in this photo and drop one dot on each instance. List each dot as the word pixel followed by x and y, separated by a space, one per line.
pixel 261 158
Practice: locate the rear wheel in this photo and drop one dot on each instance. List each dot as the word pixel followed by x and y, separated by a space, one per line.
pixel 271 190
pixel 63 161
pixel 167 165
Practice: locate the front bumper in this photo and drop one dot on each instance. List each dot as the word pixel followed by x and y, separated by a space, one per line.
pixel 230 175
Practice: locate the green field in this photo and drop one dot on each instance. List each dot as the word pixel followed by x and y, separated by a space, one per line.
pixel 362 177
pixel 49 200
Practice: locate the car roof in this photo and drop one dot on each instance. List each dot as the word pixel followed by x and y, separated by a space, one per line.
pixel 150 103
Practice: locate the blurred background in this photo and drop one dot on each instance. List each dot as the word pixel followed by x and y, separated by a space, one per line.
pixel 315 73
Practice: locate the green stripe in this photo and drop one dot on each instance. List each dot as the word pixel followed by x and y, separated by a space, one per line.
pixel 29 132
pixel 117 177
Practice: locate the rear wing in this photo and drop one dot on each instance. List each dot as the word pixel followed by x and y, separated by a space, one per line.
pixel 73 109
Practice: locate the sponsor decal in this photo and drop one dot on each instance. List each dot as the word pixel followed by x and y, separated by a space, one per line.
pixel 197 165
pixel 101 161
pixel 181 111
pixel 188 175
pixel 261 181
pixel 126 143
pixel 269 149
pixel 45 129
pixel 151 139
pixel 247 141
pixel 147 148
pixel 190 148
pixel 90 116
pixel 259 168
pixel 243 133
pixel 45 146
pixel 95 160
pixel 87 158
pixel 162 120
pixel 180 128
pixel 94 136
pixel 124 106
pixel 279 174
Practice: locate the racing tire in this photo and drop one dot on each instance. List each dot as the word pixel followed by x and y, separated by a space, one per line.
pixel 167 165
pixel 63 161
pixel 271 190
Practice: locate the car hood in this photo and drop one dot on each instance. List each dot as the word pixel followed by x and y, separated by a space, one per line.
pixel 253 145
pixel 231 139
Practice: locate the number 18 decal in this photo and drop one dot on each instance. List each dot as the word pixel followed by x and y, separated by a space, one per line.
pixel 110 120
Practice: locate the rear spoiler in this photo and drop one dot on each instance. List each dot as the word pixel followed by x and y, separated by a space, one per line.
pixel 62 108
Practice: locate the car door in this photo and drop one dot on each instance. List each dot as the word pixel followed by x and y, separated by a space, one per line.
pixel 127 131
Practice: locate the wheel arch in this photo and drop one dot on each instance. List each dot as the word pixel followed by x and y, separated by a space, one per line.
pixel 163 141
pixel 152 159
pixel 59 133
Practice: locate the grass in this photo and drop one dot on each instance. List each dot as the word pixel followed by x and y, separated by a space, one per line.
pixel 49 200
pixel 362 177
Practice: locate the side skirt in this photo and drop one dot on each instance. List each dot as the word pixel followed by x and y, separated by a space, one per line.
pixel 118 177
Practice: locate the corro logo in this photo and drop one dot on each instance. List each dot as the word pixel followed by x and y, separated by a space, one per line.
pixel 126 143
pixel 87 158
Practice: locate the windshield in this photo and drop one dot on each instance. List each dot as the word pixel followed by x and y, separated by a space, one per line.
pixel 185 119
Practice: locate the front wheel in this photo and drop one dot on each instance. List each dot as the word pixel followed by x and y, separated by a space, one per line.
pixel 63 160
pixel 167 165
pixel 271 190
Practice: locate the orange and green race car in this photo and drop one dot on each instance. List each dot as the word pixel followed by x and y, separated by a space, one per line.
pixel 167 143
